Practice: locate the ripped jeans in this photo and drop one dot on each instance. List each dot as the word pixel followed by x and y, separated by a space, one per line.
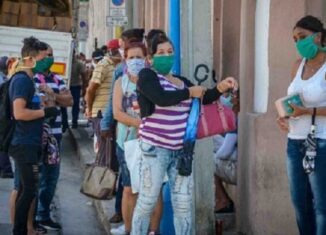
pixel 156 162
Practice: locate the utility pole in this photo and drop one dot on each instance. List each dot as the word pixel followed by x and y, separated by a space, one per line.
pixel 197 65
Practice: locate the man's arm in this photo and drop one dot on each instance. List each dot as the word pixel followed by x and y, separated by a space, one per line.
pixel 108 120
pixel 64 98
pixel 90 96
pixel 93 85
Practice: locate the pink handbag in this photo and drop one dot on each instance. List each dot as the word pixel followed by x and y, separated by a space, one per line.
pixel 215 119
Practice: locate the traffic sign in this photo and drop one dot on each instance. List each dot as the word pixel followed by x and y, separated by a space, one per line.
pixel 116 21
pixel 118 12
pixel 117 4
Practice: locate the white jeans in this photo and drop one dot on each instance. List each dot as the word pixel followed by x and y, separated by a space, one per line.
pixel 156 162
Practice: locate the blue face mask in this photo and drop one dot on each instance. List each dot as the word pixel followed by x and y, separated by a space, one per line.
pixel 135 65
pixel 227 101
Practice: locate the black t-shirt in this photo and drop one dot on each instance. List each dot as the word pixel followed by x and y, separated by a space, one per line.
pixel 26 132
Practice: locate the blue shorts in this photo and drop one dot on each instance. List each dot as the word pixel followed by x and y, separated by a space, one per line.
pixel 124 171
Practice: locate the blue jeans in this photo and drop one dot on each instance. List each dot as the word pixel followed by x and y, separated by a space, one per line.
pixel 75 92
pixel 156 162
pixel 49 176
pixel 308 192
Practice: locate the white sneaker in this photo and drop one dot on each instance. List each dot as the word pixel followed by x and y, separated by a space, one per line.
pixel 121 230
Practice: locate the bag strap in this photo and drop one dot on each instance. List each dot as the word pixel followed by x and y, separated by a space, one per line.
pixel 221 112
pixel 313 120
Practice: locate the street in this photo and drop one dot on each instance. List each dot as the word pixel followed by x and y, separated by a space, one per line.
pixel 73 210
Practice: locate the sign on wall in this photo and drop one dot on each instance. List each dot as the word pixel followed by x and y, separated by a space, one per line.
pixel 117 15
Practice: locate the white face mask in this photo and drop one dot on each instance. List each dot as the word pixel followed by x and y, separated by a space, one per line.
pixel 135 65
pixel 93 63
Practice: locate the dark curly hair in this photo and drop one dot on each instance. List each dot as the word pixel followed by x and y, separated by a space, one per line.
pixel 32 46
pixel 157 40
pixel 133 35
pixel 313 24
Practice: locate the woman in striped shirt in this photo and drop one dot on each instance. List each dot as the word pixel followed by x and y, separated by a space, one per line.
pixel 164 102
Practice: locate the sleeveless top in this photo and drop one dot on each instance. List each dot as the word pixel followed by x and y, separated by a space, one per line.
pixel 130 106
pixel 166 127
pixel 313 93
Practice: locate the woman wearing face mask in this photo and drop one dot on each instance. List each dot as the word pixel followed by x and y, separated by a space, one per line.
pixel 164 102
pixel 25 145
pixel 126 112
pixel 308 190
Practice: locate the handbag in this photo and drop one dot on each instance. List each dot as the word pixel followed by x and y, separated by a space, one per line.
pixel 99 182
pixel 215 119
pixel 133 156
pixel 50 147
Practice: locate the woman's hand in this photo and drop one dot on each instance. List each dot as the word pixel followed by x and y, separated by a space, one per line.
pixel 227 84
pixel 283 123
pixel 197 91
pixel 299 111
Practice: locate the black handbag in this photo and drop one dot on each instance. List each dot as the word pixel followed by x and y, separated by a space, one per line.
pixel 308 161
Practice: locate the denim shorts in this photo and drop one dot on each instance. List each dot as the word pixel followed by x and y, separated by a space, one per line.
pixel 124 171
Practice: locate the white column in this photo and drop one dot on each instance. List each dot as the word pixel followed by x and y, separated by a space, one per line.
pixel 261 56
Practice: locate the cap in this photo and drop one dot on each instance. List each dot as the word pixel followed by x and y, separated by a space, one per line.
pixel 113 44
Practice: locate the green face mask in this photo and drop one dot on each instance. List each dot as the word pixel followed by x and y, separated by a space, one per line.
pixel 307 47
pixel 43 65
pixel 163 64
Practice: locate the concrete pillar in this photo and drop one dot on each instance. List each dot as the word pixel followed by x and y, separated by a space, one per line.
pixel 174 33
pixel 130 12
pixel 197 64
pixel 264 205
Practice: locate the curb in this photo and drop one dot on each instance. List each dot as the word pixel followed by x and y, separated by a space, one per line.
pixel 85 154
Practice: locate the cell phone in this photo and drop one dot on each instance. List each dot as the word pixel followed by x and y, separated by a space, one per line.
pixel 283 105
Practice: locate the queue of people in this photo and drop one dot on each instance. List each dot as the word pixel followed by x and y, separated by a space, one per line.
pixel 145 101
pixel 132 94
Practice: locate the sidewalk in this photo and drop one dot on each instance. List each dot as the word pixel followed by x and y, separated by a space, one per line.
pixel 83 142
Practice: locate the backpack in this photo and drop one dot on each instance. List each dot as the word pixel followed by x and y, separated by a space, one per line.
pixel 50 147
pixel 7 123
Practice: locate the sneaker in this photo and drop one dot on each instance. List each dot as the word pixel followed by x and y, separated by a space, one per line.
pixel 50 225
pixel 39 229
pixel 117 218
pixel 121 230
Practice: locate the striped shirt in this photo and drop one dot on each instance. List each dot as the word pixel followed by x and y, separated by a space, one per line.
pixel 167 125
pixel 102 75
pixel 57 84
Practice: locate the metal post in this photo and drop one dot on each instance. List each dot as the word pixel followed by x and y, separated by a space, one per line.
pixel 174 33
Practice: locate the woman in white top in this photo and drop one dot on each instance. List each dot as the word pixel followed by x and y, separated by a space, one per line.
pixel 308 190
